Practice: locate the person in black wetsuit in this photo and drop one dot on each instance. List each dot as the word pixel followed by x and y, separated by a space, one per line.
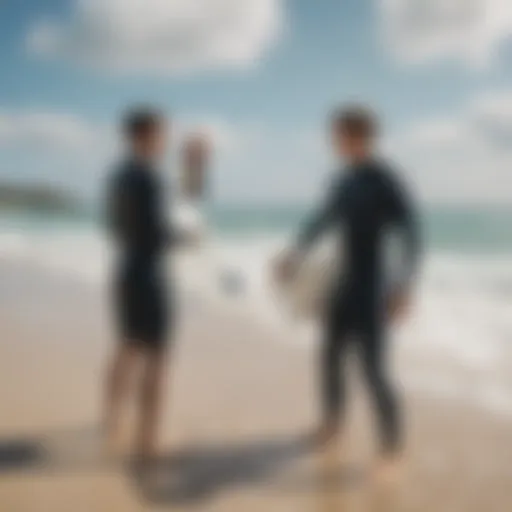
pixel 366 201
pixel 137 223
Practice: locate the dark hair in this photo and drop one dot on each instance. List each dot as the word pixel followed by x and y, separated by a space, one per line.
pixel 355 121
pixel 141 122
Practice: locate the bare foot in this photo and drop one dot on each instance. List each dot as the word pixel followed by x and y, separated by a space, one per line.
pixel 145 452
pixel 113 445
pixel 389 469
pixel 325 435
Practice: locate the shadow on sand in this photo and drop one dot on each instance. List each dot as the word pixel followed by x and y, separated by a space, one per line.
pixel 199 473
pixel 58 451
pixel 184 477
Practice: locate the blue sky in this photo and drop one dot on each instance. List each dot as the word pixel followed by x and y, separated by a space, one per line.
pixel 261 75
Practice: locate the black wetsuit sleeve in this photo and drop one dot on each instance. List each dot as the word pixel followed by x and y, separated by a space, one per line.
pixel 118 209
pixel 404 217
pixel 323 219
pixel 136 217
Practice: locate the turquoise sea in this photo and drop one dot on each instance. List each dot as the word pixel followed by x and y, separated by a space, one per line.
pixel 461 229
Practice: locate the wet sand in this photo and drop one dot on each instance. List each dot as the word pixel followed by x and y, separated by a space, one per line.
pixel 239 403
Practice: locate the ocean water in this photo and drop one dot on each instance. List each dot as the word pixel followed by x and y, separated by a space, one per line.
pixel 462 230
pixel 459 230
pixel 463 312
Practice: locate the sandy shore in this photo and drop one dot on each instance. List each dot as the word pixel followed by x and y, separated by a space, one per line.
pixel 238 405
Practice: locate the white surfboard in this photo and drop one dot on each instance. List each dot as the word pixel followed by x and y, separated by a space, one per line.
pixel 189 222
pixel 304 297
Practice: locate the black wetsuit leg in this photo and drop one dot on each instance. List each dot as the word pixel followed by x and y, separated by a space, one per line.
pixel 334 349
pixel 143 307
pixel 356 317
pixel 371 340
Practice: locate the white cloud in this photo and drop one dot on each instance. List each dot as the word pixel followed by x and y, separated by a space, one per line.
pixel 491 115
pixel 57 148
pixel 161 36
pixel 425 30
pixel 54 131
pixel 486 122
pixel 48 130
pixel 436 133
pixel 464 157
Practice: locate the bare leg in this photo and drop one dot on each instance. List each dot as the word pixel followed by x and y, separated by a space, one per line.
pixel 119 377
pixel 150 406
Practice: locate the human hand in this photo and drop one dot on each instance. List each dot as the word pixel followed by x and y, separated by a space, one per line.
pixel 285 267
pixel 399 305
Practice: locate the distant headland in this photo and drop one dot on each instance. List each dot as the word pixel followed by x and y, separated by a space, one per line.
pixel 38 197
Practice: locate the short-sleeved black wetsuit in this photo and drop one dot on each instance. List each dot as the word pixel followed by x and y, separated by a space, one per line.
pixel 137 221
pixel 365 203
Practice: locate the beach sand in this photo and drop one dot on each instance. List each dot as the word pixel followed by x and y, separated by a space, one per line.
pixel 238 406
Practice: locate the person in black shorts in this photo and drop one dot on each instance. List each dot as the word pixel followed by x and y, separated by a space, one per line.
pixel 366 202
pixel 138 224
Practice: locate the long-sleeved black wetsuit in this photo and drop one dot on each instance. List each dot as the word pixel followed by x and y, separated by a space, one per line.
pixel 137 221
pixel 363 205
